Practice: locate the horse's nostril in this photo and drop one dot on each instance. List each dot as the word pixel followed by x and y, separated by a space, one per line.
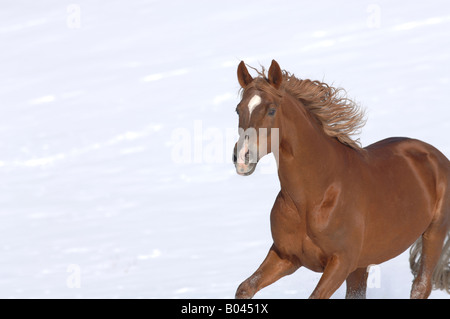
pixel 247 157
pixel 234 158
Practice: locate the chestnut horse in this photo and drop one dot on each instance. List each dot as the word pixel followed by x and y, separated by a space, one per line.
pixel 341 207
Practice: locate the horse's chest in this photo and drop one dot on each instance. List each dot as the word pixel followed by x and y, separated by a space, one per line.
pixel 292 241
pixel 312 256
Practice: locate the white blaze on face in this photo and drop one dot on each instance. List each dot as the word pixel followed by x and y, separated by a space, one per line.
pixel 254 102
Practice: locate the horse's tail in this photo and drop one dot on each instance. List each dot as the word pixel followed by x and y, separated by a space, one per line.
pixel 441 274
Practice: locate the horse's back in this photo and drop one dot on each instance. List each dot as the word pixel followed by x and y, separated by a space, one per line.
pixel 400 156
pixel 414 150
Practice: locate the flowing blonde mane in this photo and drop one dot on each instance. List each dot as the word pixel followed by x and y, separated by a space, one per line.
pixel 339 116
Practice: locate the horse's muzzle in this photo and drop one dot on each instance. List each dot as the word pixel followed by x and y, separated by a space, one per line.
pixel 244 161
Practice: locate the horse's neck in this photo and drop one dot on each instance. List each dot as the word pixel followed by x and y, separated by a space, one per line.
pixel 308 160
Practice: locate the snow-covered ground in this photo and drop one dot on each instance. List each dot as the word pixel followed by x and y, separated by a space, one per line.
pixel 98 199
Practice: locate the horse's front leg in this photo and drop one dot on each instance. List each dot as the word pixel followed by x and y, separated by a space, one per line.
pixel 273 268
pixel 336 271
pixel 357 284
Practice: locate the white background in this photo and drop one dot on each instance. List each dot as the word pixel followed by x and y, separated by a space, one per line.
pixel 92 92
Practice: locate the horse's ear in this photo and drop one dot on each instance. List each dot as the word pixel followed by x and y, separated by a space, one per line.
pixel 275 75
pixel 244 77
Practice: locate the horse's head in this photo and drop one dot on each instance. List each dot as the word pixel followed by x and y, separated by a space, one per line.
pixel 257 116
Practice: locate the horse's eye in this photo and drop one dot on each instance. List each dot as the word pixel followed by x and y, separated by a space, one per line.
pixel 272 111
